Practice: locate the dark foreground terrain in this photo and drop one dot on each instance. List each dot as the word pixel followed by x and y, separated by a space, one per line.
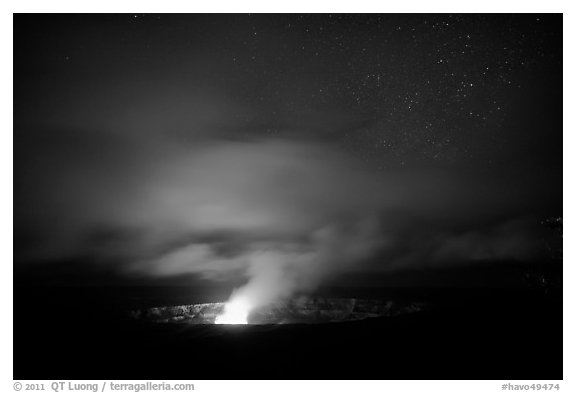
pixel 83 333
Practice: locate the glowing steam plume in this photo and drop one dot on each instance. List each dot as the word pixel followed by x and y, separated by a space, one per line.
pixel 281 272
pixel 235 312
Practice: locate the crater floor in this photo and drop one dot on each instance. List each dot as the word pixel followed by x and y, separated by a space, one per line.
pixel 303 310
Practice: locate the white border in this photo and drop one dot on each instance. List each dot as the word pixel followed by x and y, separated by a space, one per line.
pixel 297 6
pixel 294 6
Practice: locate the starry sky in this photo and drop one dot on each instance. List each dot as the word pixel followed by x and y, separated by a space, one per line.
pixel 437 88
pixel 463 110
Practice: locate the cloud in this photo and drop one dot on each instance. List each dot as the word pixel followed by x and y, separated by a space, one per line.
pixel 284 214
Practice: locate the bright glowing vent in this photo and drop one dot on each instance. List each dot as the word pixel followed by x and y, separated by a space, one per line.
pixel 235 312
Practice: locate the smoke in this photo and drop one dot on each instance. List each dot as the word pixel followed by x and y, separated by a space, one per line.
pixel 284 215
pixel 278 271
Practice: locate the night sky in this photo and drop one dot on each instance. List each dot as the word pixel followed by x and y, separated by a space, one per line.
pixel 167 145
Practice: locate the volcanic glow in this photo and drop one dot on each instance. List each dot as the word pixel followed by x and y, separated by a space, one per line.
pixel 235 312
